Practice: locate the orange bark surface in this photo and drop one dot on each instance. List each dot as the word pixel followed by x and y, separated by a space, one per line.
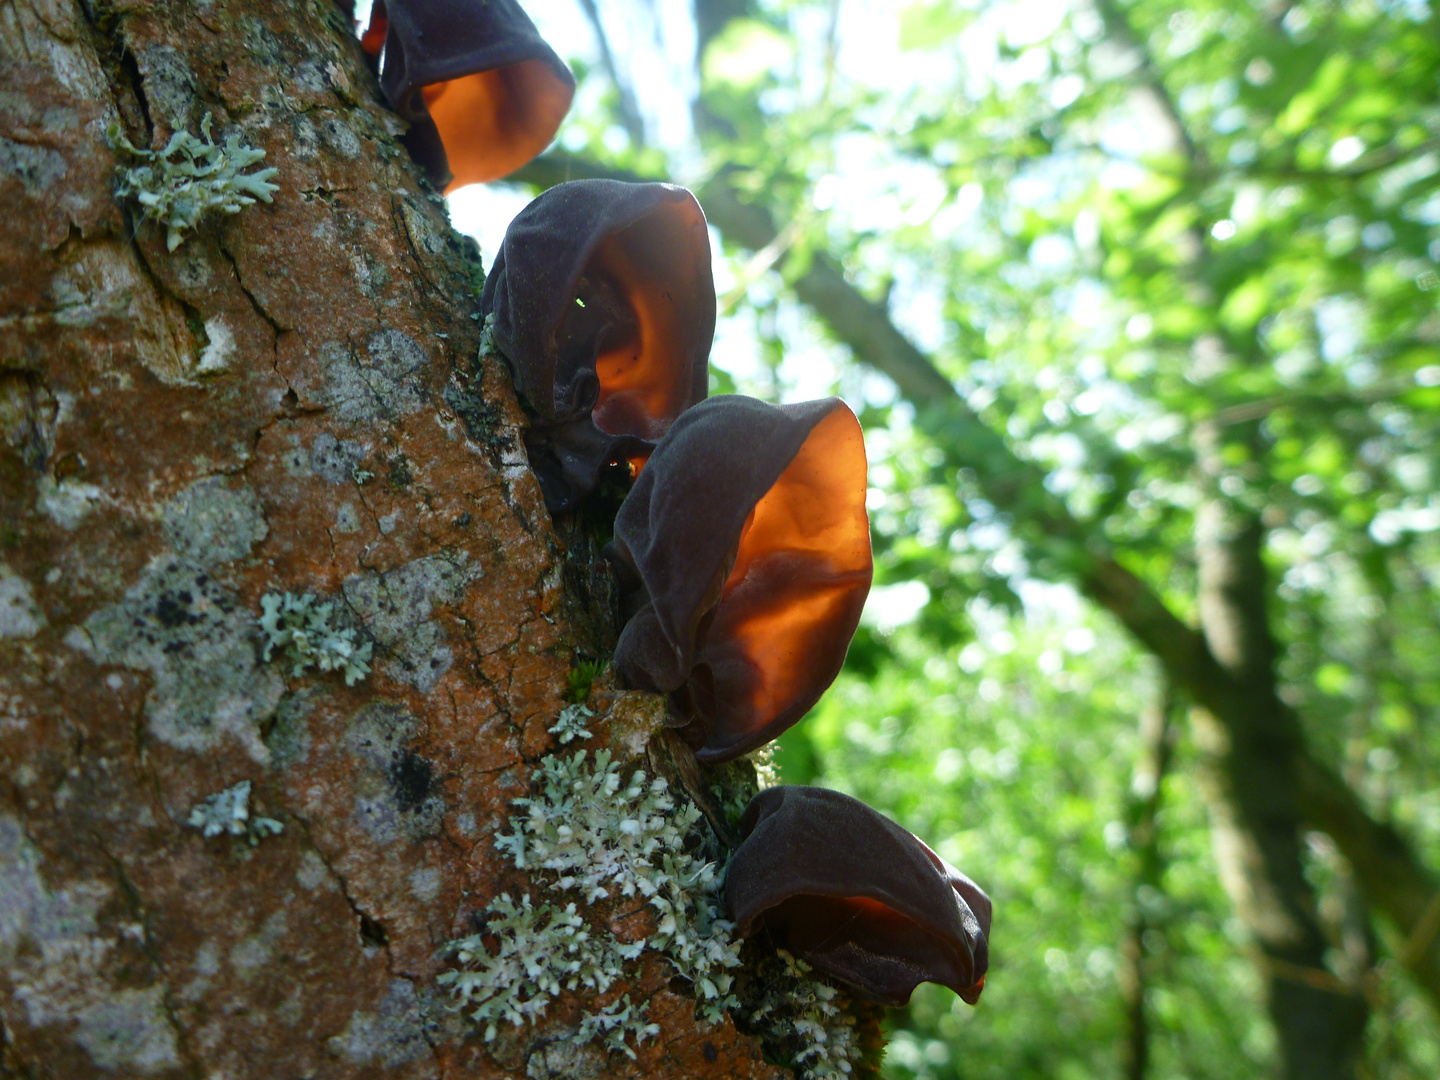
pixel 288 402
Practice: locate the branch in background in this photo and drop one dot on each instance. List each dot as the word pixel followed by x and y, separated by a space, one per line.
pixel 1255 806
pixel 1059 545
pixel 630 116
pixel 1119 30
pixel 1157 745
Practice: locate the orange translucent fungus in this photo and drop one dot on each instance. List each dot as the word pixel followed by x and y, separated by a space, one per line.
pixel 493 122
pixel 373 39
pixel 645 380
pixel 802 565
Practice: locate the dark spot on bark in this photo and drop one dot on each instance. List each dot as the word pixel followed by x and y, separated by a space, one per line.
pixel 69 467
pixel 411 778
pixel 171 609
pixel 397 472
pixel 373 932
pixel 711 1054
pixel 463 521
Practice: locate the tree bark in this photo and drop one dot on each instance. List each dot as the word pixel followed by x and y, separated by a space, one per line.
pixel 1157 746
pixel 1319 1020
pixel 288 402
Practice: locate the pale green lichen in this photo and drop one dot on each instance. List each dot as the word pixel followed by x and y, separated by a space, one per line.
pixel 306 635
pixel 605 836
pixel 571 725
pixel 616 1020
pixel 542 950
pixel 805 1018
pixel 228 812
pixel 596 834
pixel 191 177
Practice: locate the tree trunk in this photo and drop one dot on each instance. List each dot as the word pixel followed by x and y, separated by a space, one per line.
pixel 1319 1020
pixel 288 402
pixel 1157 745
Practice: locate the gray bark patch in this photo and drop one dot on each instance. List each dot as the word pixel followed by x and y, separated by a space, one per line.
pixel 37 168
pixel 129 1031
pixel 211 522
pixel 382 383
pixel 391 1035
pixel 20 616
pixel 335 460
pixel 397 791
pixel 169 83
pixel 198 643
pixel 396 607
pixel 56 961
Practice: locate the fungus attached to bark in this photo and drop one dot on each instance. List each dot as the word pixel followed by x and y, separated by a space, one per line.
pixel 604 305
pixel 854 894
pixel 745 549
pixel 482 91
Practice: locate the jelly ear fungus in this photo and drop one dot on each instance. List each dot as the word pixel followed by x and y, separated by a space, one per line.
pixel 482 91
pixel 604 305
pixel 855 895
pixel 744 548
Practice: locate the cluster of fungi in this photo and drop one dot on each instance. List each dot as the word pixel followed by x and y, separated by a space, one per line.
pixel 742 549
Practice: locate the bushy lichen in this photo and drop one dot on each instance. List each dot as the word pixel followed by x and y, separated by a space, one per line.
pixel 306 635
pixel 595 833
pixel 228 812
pixel 571 725
pixel 605 836
pixel 804 1021
pixel 616 1020
pixel 191 177
pixel 540 950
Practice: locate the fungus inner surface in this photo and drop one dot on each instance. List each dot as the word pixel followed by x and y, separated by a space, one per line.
pixel 802 564
pixel 494 121
pixel 644 378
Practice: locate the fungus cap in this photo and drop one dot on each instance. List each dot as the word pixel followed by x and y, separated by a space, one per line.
pixel 482 91
pixel 604 306
pixel 746 548
pixel 857 896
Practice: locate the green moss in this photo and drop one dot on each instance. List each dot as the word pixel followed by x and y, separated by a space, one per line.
pixel 581 677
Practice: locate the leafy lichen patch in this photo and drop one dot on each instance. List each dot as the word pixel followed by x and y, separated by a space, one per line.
pixel 190 178
pixel 308 634
pixel 228 813
pixel 597 831
pixel 802 1020
pixel 213 522
pixel 197 642
pixel 571 725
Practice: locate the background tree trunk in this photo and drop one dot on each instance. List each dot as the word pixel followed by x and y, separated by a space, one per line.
pixel 288 402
